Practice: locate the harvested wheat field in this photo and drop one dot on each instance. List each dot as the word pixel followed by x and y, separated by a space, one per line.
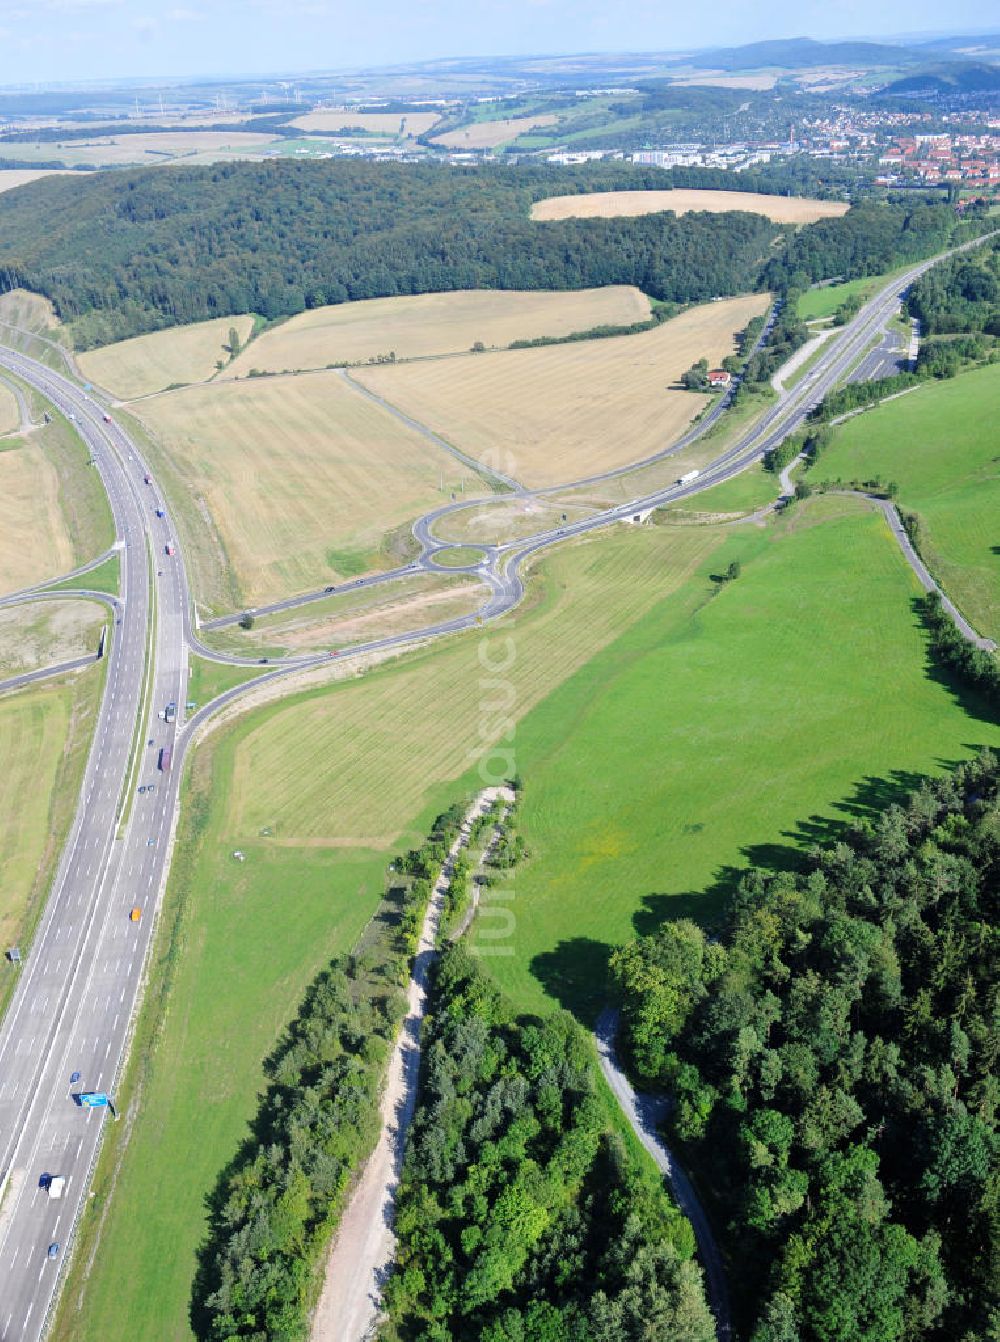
pixel 758 83
pixel 555 414
pixel 426 324
pixel 488 134
pixel 12 177
pixel 34 541
pixel 381 123
pixel 151 363
pixel 108 150
pixel 302 477
pixel 621 204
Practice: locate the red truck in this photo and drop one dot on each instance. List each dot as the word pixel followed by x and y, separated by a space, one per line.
pixel 147 479
pixel 165 760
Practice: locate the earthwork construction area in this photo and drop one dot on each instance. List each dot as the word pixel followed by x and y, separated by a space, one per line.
pixel 566 411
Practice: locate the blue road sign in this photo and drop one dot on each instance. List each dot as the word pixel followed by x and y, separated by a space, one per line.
pixel 94 1099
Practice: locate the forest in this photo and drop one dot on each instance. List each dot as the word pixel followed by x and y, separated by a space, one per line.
pixel 869 239
pixel 521 1217
pixel 961 294
pixel 126 252
pixel 832 1062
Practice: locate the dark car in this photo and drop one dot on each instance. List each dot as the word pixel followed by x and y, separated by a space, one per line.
pixel 54 1249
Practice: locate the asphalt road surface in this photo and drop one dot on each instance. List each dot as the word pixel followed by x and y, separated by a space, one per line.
pixel 646 1114
pixel 81 981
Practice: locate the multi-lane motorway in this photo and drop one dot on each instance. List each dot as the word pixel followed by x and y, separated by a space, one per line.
pixel 81 980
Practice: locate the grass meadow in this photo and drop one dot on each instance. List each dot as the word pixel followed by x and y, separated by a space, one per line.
pixel 940 445
pixel 712 737
pixel 53 512
pixel 669 729
pixel 551 415
pixel 10 414
pixel 44 738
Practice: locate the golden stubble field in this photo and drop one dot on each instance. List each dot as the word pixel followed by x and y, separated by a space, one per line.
pixel 34 539
pixel 293 472
pixel 552 415
pixel 151 363
pixel 381 123
pixel 488 134
pixel 427 324
pixel 622 204
pixel 108 150
pixel 12 177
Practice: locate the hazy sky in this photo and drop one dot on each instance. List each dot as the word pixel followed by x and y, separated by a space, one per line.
pixel 96 39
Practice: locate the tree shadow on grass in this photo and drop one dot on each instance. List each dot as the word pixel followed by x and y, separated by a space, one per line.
pixel 868 799
pixel 575 973
pixel 971 701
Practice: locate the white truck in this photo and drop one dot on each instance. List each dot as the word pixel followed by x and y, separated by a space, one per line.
pixel 57 1186
pixel 688 476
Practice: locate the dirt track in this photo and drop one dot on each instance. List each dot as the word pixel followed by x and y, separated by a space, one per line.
pixel 363 1251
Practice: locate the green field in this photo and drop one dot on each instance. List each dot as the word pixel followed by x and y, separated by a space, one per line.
pixel 44 737
pixel 206 679
pixel 104 578
pixel 824 302
pixel 940 445
pixel 459 556
pixel 752 489
pixel 698 728
pixel 716 735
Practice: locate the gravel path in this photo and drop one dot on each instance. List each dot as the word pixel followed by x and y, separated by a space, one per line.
pixel 645 1113
pixel 362 1253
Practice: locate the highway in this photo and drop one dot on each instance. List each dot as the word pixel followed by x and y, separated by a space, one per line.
pixel 82 977
pixel 79 985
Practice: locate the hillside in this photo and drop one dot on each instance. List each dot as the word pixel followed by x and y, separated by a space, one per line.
pixel 800 53
pixel 276 238
pixel 958 77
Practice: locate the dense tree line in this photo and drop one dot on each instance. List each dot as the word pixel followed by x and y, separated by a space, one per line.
pixel 974 666
pixel 787 335
pixel 520 1217
pixel 279 1201
pixel 832 1062
pixel 961 294
pixel 869 239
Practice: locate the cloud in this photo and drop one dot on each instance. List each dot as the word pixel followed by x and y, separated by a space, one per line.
pixel 182 15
